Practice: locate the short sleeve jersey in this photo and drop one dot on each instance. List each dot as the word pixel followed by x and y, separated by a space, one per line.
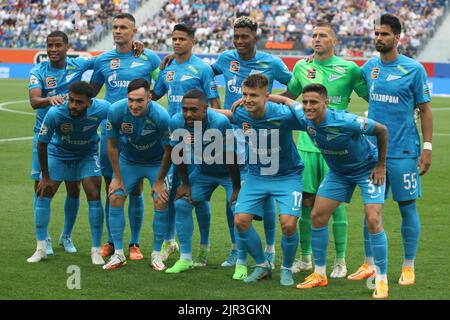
pixel 141 138
pixel 339 76
pixel 73 138
pixel 178 78
pixel 53 81
pixel 395 89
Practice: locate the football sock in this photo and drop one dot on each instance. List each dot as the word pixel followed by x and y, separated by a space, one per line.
pixel 185 225
pixel 319 241
pixel 252 244
pixel 203 213
pixel 160 226
pixel 42 217
pixel 270 222
pixel 340 231
pixel 289 245
pixel 410 230
pixel 136 216
pixel 305 231
pixel 230 221
pixel 71 206
pixel 379 249
pixel 96 222
pixel 117 226
pixel 367 246
pixel 108 229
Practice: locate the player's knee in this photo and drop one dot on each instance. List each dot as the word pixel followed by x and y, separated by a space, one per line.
pixel 116 201
pixel 318 218
pixel 159 204
pixel 289 227
pixel 374 222
pixel 242 223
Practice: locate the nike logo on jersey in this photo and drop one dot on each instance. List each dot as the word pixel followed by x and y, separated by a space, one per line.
pixel 145 132
pixel 136 64
pixel 255 72
pixel 392 77
pixel 86 128
pixel 412 192
pixel 186 77
pixel 331 137
pixel 333 77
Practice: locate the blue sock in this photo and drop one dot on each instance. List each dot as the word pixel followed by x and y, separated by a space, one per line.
pixel 319 243
pixel 108 229
pixel 42 217
pixel 34 209
pixel 160 226
pixel 117 226
pixel 171 228
pixel 379 249
pixel 230 220
pixel 410 230
pixel 203 213
pixel 252 243
pixel 270 222
pixel 367 246
pixel 185 225
pixel 136 216
pixel 71 206
pixel 96 222
pixel 289 246
pixel 241 250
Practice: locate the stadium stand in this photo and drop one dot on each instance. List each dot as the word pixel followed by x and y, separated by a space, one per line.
pixel 293 20
pixel 26 23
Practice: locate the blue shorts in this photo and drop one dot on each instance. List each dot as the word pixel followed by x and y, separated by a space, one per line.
pixel 105 164
pixel 340 188
pixel 35 165
pixel 256 190
pixel 203 186
pixel 73 170
pixel 133 173
pixel 402 177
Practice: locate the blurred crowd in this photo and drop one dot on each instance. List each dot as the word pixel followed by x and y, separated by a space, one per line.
pixel 25 23
pixel 293 20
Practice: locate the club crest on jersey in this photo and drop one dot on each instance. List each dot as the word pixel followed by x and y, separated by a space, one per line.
pixel 188 138
pixel 170 75
pixel 246 127
pixel 114 64
pixel 127 128
pixel 50 82
pixel 66 128
pixel 311 74
pixel 311 131
pixel 375 72
pixel 235 66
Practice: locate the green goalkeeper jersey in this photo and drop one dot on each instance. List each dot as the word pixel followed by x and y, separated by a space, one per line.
pixel 339 76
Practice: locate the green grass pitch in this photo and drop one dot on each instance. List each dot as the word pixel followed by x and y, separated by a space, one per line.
pixel 48 279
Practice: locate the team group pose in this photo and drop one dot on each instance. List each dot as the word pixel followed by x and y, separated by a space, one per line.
pixel 247 147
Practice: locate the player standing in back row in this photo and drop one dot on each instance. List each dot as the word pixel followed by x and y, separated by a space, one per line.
pixel 398 85
pixel 341 78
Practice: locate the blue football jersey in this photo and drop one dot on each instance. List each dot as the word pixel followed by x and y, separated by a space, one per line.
pixel 141 138
pixel 53 82
pixel 235 70
pixel 277 120
pixel 197 143
pixel 395 88
pixel 177 79
pixel 341 140
pixel 116 70
pixel 73 138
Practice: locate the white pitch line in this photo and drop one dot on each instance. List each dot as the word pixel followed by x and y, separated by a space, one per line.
pixel 16 139
pixel 2 107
